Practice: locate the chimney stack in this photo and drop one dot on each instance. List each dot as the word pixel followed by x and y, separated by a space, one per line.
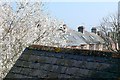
pixel 94 30
pixel 80 29
pixel 98 33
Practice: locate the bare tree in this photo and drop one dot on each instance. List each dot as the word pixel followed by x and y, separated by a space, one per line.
pixel 110 30
pixel 25 25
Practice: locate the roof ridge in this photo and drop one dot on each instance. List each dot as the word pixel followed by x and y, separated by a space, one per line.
pixel 75 51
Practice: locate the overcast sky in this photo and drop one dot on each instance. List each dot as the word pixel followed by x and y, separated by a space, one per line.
pixel 88 14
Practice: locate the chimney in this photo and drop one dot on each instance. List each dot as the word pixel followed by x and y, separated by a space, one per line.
pixel 98 33
pixel 80 29
pixel 94 30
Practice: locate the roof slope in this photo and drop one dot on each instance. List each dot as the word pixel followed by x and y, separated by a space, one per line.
pixel 50 62
pixel 94 38
pixel 74 38
pixel 97 38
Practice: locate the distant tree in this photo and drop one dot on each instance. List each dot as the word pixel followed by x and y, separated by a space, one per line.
pixel 26 24
pixel 110 29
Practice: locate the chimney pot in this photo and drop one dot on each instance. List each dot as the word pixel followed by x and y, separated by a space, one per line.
pixel 80 29
pixel 94 30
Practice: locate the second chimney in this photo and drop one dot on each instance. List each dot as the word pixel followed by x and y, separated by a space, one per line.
pixel 80 29
pixel 94 30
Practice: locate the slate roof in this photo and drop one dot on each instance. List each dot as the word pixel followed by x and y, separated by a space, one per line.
pixel 77 38
pixel 94 38
pixel 74 39
pixel 51 62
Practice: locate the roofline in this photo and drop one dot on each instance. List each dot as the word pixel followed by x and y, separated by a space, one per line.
pixel 75 51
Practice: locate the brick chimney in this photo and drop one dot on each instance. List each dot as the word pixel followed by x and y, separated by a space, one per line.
pixel 94 30
pixel 80 29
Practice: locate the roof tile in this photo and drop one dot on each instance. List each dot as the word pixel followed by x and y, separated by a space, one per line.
pixel 69 63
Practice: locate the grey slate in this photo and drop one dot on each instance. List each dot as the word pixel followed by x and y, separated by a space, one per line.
pixel 38 63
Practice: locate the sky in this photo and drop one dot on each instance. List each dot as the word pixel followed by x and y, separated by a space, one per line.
pixel 74 14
